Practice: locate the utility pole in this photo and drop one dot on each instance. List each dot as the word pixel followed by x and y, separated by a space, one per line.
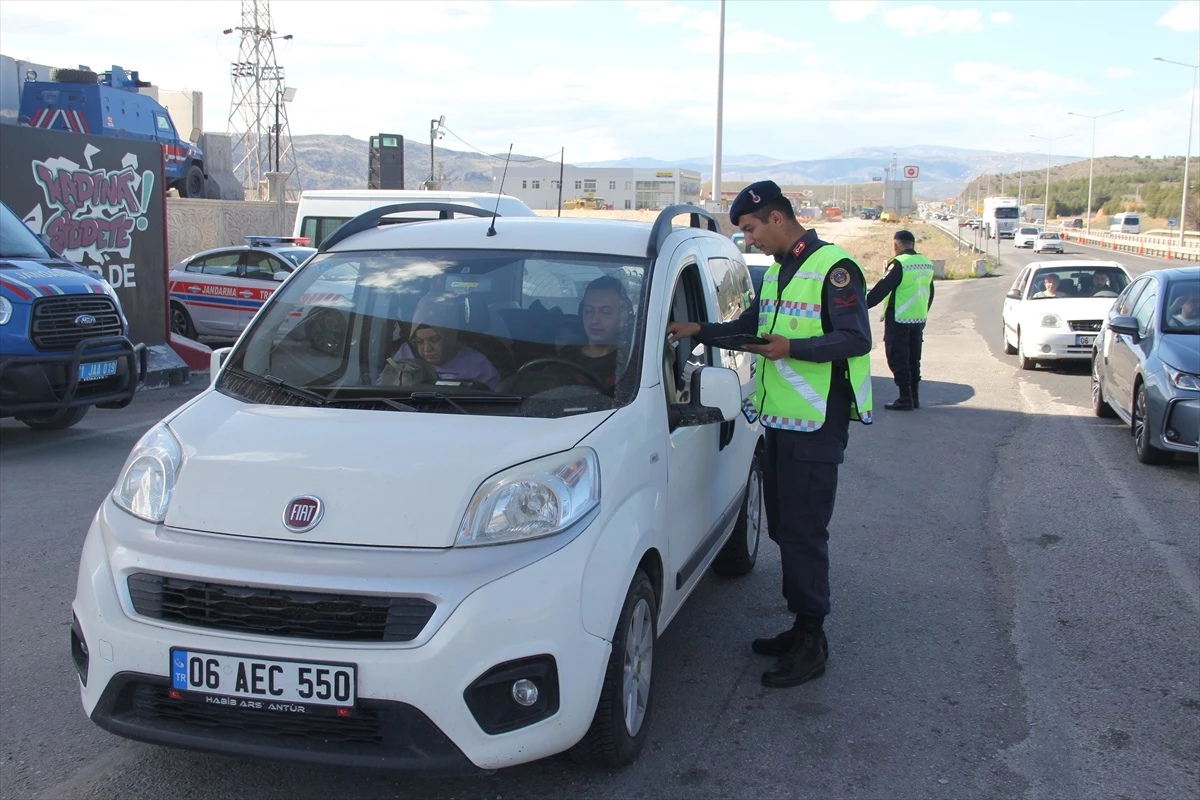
pixel 1092 160
pixel 257 83
pixel 1188 158
pixel 561 155
pixel 435 132
pixel 1050 140
pixel 716 178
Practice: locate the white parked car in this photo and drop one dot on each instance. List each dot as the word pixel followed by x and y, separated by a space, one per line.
pixel 1025 236
pixel 357 556
pixel 1055 309
pixel 1047 242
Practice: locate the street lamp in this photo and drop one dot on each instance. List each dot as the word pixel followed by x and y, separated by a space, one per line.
pixel 435 132
pixel 1092 160
pixel 1050 140
pixel 1188 158
pixel 283 94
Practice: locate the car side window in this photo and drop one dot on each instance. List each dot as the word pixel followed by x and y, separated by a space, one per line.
pixel 1145 308
pixel 1021 281
pixel 679 362
pixel 263 266
pixel 1124 304
pixel 224 264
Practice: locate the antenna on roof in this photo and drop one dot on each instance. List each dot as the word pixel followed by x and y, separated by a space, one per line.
pixel 491 231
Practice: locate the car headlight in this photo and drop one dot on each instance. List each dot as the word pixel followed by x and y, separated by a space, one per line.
pixel 5 310
pixel 538 498
pixel 1183 380
pixel 148 477
pixel 1052 321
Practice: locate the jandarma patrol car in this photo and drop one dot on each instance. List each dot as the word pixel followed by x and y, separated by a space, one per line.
pixel 217 292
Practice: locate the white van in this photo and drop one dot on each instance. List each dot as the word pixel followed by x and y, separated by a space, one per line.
pixel 1125 222
pixel 352 556
pixel 322 211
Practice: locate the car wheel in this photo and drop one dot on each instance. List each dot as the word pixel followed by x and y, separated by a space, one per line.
pixel 740 553
pixel 181 322
pixel 1009 350
pixel 1099 407
pixel 193 183
pixel 326 331
pixel 1025 361
pixel 55 420
pixel 1146 452
pixel 622 717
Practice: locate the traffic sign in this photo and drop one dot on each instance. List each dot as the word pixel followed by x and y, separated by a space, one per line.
pixel 911 173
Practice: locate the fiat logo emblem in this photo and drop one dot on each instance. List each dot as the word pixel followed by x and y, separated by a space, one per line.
pixel 85 320
pixel 302 513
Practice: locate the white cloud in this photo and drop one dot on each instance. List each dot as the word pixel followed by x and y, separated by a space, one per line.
pixel 1000 17
pixel 658 12
pixel 852 10
pixel 930 20
pixel 1116 73
pixel 1183 17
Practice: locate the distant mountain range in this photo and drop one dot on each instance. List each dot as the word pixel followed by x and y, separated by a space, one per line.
pixel 340 162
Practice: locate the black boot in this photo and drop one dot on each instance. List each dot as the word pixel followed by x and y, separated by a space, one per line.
pixel 803 661
pixel 916 398
pixel 774 645
pixel 904 402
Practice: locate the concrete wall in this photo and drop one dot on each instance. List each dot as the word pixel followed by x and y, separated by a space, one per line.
pixel 194 225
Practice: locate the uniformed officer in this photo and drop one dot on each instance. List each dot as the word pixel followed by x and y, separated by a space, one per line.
pixel 907 285
pixel 812 377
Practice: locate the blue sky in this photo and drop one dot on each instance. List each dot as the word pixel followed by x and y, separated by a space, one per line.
pixel 612 79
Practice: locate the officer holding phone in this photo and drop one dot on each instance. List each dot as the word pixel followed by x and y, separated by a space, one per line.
pixel 812 378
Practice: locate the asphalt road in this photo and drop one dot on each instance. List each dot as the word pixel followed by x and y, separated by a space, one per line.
pixel 1015 614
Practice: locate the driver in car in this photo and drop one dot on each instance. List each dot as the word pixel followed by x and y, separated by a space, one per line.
pixel 605 311
pixel 1102 283
pixel 433 338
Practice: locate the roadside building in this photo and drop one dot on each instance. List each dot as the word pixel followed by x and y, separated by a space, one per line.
pixel 612 187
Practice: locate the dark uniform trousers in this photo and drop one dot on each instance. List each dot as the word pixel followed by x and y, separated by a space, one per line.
pixel 807 490
pixel 902 345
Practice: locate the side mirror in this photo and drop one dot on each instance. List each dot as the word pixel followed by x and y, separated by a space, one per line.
pixel 716 394
pixel 281 275
pixel 1125 325
pixel 215 362
pixel 1015 294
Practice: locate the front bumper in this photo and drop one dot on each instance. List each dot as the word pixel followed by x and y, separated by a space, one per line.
pixel 49 382
pixel 1182 419
pixel 414 691
pixel 1056 343
pixel 1053 248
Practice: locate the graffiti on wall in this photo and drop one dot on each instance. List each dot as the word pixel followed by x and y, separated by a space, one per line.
pixel 92 213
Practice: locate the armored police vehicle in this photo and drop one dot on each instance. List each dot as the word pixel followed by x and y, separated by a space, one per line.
pixel 81 101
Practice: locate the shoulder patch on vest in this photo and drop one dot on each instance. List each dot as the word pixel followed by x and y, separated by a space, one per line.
pixel 840 277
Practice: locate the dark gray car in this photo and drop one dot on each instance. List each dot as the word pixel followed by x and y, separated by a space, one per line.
pixel 1146 363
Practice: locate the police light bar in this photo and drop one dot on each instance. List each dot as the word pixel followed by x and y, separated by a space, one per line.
pixel 255 241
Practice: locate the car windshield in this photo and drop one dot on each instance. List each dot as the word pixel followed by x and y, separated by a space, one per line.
pixel 296 255
pixel 1047 235
pixel 1181 313
pixel 1029 231
pixel 16 240
pixel 528 333
pixel 1077 282
pixel 1006 213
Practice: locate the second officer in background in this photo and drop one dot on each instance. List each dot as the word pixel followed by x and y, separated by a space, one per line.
pixel 907 285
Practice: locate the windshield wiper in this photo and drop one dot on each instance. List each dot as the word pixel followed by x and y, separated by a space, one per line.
pixel 387 401
pixel 469 399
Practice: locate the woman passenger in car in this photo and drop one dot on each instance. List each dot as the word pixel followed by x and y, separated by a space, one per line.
pixel 433 338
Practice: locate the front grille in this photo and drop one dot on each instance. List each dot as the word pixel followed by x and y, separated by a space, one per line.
pixel 53 325
pixel 279 612
pixel 1085 325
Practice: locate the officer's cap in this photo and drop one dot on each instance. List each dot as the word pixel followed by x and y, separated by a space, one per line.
pixel 904 236
pixel 752 198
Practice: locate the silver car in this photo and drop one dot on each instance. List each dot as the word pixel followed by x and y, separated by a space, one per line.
pixel 1146 363
pixel 217 292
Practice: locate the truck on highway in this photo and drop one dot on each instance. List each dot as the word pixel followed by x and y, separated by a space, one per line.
pixel 1000 217
pixel 1033 212
pixel 109 104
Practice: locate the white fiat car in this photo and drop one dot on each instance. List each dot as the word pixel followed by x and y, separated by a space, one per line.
pixel 1055 308
pixel 360 556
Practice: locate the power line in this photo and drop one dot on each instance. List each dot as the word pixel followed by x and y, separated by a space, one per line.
pixel 498 158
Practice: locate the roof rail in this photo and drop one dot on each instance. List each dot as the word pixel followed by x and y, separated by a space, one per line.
pixel 662 225
pixel 369 220
pixel 255 241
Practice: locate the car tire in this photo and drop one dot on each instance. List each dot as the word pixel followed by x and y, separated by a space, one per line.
pixel 1100 407
pixel 55 420
pixel 181 322
pixel 1009 350
pixel 192 184
pixel 740 553
pixel 1145 451
pixel 609 741
pixel 1024 361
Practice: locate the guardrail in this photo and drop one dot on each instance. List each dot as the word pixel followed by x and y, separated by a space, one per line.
pixel 1138 244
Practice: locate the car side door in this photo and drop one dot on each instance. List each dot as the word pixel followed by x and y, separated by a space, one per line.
pixel 1125 354
pixel 210 293
pixel 258 283
pixel 1012 304
pixel 691 450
